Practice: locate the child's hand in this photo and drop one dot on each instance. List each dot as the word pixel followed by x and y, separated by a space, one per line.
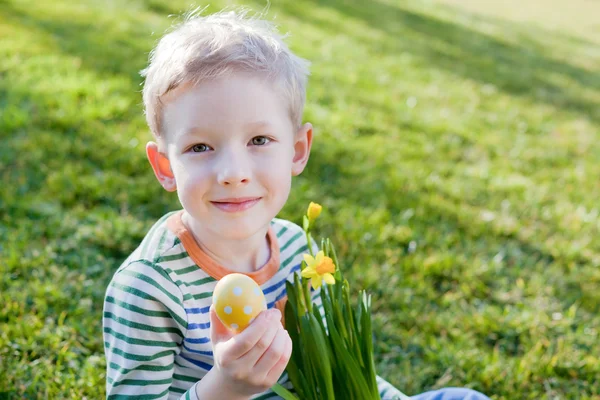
pixel 253 360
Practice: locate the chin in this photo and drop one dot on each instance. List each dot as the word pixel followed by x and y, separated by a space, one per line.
pixel 239 229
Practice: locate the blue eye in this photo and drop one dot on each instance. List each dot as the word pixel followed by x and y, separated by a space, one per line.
pixel 199 148
pixel 260 140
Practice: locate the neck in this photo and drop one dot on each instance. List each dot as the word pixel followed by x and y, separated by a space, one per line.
pixel 244 255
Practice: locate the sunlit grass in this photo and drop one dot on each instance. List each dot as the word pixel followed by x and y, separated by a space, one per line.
pixel 456 156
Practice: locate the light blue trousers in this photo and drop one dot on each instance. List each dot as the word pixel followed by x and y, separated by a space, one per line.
pixel 451 394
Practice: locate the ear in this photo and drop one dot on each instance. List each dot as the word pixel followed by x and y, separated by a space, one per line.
pixel 161 166
pixel 302 145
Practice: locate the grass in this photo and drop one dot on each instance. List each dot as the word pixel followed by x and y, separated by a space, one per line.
pixel 456 156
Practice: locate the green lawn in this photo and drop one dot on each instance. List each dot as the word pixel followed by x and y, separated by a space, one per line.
pixel 457 156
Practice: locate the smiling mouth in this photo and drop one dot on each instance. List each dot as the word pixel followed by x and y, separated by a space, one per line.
pixel 236 205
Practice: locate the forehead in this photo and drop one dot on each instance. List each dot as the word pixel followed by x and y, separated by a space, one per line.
pixel 234 102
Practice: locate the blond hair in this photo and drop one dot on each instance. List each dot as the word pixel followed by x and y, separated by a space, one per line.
pixel 208 47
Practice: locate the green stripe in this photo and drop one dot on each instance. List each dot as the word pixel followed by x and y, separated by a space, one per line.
pixel 138 357
pixel 150 236
pixel 160 245
pixel 143 327
pixel 186 378
pixel 187 396
pixel 202 295
pixel 153 368
pixel 290 258
pixel 198 282
pixel 172 257
pixel 180 365
pixel 137 397
pixel 137 309
pixel 165 275
pixel 140 382
pixel 292 240
pixel 142 342
pixel 187 270
pixel 177 390
pixel 147 279
pixel 146 296
pixel 203 281
pixel 282 231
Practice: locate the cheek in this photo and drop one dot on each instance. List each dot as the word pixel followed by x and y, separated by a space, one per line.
pixel 280 184
pixel 191 180
pixel 278 174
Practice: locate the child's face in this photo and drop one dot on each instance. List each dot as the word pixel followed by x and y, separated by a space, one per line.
pixel 232 150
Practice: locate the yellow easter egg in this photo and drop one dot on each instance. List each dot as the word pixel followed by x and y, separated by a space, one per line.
pixel 238 300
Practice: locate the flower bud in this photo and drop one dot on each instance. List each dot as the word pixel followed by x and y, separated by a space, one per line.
pixel 314 210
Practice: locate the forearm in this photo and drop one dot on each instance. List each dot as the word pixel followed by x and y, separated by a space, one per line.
pixel 213 387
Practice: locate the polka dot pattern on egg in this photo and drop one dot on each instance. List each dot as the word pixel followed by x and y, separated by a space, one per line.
pixel 238 300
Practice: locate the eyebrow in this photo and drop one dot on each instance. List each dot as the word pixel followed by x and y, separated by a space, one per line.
pixel 251 125
pixel 258 124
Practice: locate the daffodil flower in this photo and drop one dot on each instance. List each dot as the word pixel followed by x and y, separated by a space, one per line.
pixel 314 210
pixel 319 269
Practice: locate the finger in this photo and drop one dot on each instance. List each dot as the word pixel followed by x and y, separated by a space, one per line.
pixel 244 342
pixel 270 357
pixel 218 331
pixel 262 345
pixel 279 367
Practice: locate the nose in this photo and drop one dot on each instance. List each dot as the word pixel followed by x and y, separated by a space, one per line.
pixel 233 170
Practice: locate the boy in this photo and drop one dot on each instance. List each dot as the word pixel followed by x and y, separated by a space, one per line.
pixel 224 99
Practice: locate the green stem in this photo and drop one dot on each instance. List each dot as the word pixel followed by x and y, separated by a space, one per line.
pixel 308 242
pixel 306 291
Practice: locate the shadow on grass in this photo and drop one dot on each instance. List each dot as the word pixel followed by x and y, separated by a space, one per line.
pixel 517 70
pixel 100 46
pixel 463 51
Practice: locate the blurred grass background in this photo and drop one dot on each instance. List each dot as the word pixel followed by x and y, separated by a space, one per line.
pixel 457 157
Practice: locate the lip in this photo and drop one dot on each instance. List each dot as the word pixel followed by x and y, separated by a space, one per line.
pixel 236 204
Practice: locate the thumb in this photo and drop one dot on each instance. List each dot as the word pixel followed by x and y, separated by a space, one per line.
pixel 218 331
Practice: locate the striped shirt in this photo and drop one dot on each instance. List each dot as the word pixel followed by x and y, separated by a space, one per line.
pixel 156 310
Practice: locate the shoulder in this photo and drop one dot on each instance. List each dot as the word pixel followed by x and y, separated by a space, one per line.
pixel 144 289
pixel 143 274
pixel 158 240
pixel 290 236
pixel 146 280
pixel 292 244
pixel 283 227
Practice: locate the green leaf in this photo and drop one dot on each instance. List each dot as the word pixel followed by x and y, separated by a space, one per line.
pixel 321 356
pixel 349 370
pixel 305 223
pixel 301 309
pixel 283 392
pixel 310 355
pixel 292 297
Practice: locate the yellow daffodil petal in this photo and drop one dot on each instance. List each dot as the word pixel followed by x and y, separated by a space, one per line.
pixel 316 281
pixel 308 259
pixel 309 272
pixel 329 279
pixel 319 257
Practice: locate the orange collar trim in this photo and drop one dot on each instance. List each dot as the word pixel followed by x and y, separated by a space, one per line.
pixel 210 266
